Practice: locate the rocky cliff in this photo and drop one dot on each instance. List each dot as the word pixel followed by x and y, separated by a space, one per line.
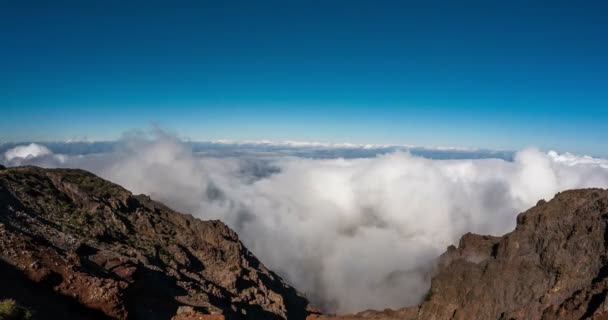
pixel 554 265
pixel 74 246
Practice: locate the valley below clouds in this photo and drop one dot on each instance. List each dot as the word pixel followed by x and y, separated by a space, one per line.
pixel 352 226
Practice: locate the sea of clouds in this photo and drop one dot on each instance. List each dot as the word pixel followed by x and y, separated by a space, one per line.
pixel 352 226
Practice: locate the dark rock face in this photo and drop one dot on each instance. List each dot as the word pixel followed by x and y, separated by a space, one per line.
pixel 554 265
pixel 75 246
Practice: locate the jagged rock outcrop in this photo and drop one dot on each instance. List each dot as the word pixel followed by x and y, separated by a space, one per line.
pixel 74 246
pixel 554 265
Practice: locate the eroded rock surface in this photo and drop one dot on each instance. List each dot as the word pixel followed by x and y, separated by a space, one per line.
pixel 77 246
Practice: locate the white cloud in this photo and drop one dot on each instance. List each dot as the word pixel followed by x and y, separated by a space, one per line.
pixel 574 160
pixel 32 150
pixel 318 144
pixel 351 233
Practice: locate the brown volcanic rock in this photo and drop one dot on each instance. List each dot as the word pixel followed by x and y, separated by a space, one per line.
pixel 554 265
pixel 86 248
pixel 188 313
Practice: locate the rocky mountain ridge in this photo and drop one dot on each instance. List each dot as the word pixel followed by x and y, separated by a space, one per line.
pixel 554 265
pixel 75 246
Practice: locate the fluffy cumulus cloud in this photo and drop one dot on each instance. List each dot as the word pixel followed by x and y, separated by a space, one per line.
pixel 351 233
pixel 25 152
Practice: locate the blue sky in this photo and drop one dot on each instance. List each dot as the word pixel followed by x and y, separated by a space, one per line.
pixel 490 74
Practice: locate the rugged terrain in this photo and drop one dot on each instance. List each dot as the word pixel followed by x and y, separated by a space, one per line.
pixel 74 246
pixel 554 265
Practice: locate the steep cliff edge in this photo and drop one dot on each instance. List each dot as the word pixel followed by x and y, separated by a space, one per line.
pixel 554 265
pixel 73 245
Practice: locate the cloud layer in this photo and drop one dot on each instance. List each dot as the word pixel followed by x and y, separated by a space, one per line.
pixel 351 233
pixel 25 152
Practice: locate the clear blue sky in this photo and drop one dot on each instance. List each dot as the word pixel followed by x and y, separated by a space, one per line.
pixel 492 74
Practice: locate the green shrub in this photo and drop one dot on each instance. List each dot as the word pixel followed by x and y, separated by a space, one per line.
pixel 428 295
pixel 9 310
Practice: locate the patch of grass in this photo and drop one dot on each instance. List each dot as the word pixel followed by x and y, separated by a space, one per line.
pixel 10 310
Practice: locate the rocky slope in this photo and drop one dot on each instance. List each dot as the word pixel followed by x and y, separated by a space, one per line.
pixel 74 246
pixel 554 265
